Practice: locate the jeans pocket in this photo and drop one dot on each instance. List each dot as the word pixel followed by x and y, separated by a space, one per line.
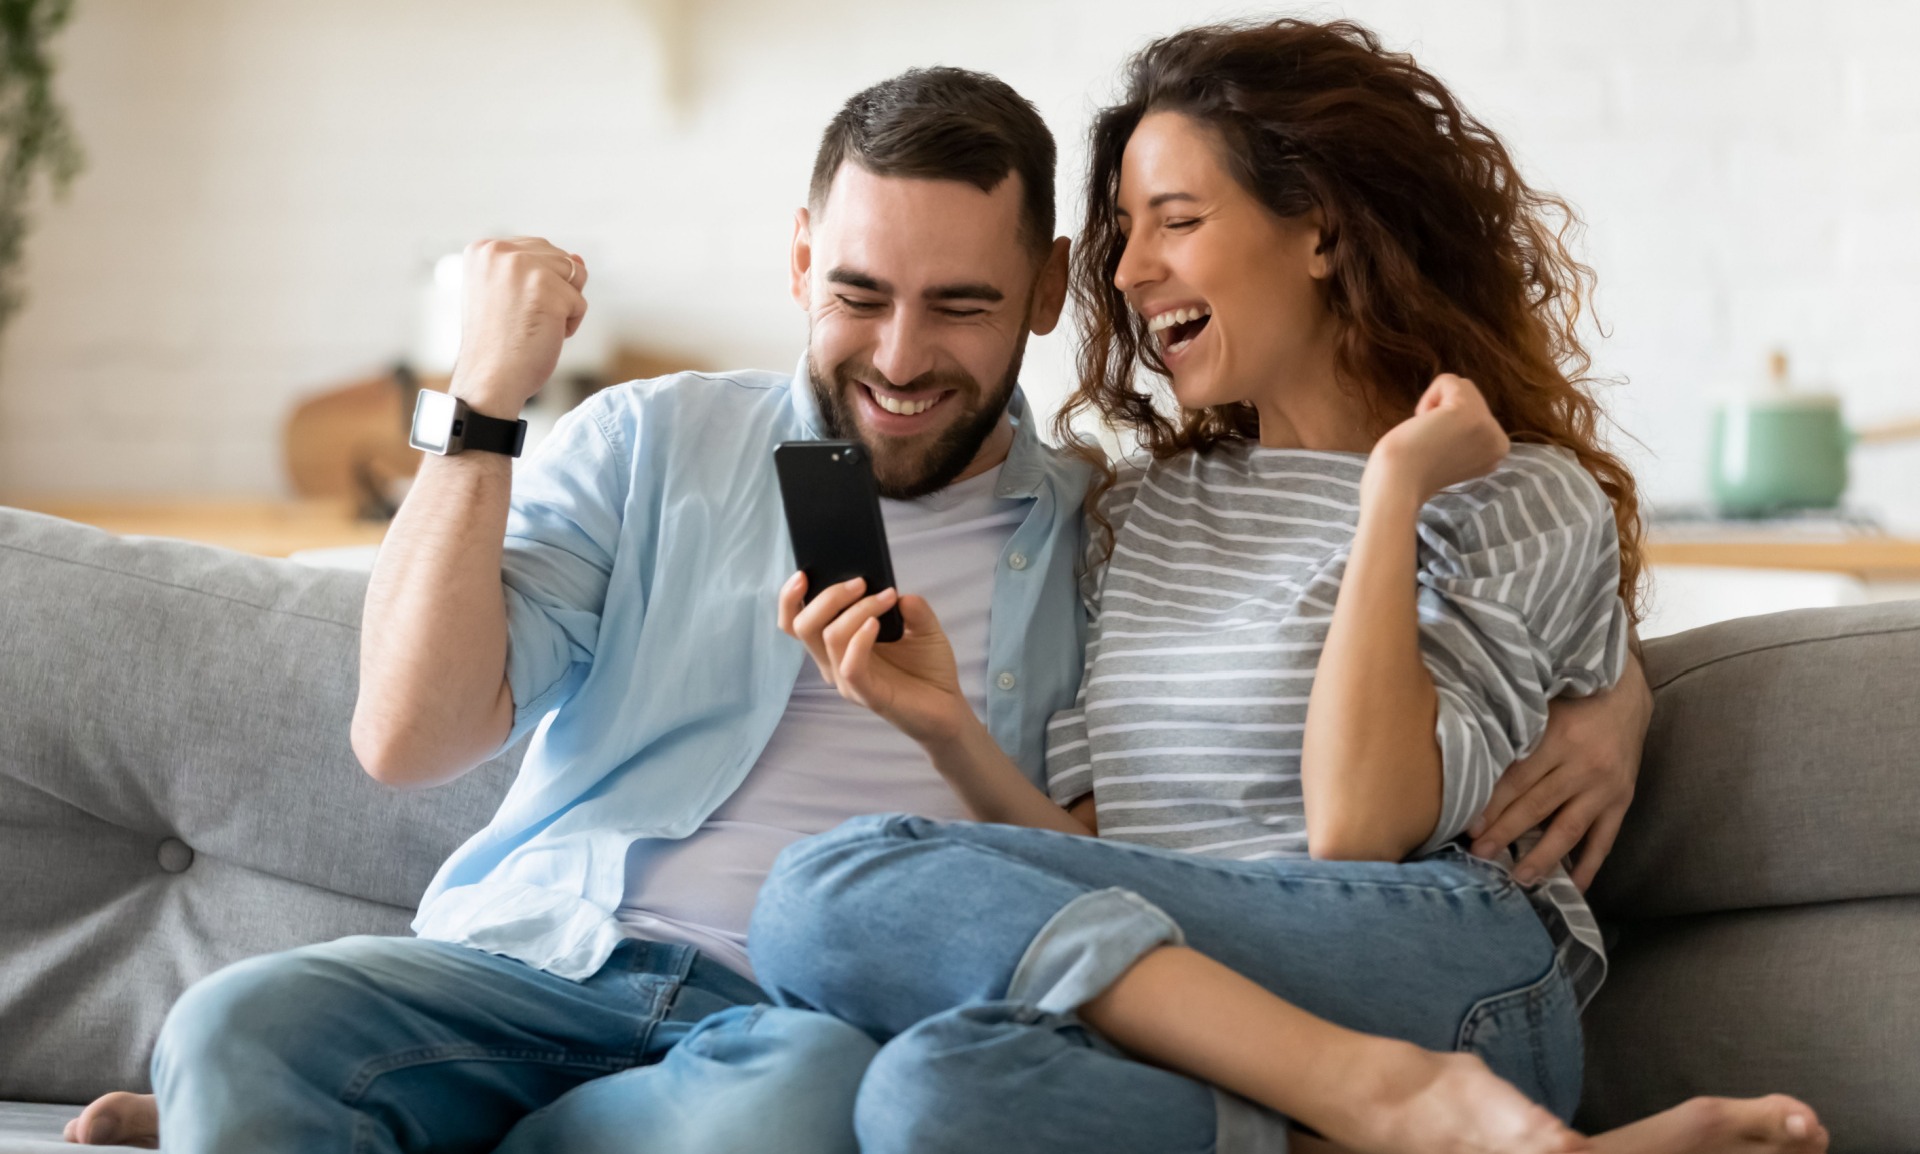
pixel 1531 1037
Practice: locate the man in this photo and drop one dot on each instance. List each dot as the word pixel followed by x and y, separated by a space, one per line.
pixel 580 979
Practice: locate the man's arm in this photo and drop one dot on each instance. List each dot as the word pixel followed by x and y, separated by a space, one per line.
pixel 434 700
pixel 1578 782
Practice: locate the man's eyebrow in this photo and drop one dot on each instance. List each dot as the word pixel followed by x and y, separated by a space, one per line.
pixel 859 280
pixel 964 292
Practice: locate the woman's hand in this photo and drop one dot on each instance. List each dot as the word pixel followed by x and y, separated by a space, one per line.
pixel 912 683
pixel 1451 437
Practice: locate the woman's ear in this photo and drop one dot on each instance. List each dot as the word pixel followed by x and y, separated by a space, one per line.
pixel 1320 260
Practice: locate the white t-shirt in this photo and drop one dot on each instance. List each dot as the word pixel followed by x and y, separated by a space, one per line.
pixel 830 759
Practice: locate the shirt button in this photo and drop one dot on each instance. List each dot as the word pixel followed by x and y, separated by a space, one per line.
pixel 1017 561
pixel 1006 681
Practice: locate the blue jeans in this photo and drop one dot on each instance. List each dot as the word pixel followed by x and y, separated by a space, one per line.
pixel 966 948
pixel 392 1044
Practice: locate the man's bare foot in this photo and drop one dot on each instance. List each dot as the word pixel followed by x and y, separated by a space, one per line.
pixel 118 1119
pixel 1420 1102
pixel 1775 1124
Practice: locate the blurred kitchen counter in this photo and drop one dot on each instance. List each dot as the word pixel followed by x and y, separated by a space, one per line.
pixel 1868 557
pixel 280 527
pixel 269 528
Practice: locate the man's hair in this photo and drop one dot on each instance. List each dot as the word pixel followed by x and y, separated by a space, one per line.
pixel 944 124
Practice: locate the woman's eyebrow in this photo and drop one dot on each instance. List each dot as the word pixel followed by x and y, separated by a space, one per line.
pixel 1159 199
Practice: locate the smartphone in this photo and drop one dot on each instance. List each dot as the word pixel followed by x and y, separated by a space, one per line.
pixel 833 516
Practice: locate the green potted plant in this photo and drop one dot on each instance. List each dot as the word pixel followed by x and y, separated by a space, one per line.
pixel 33 129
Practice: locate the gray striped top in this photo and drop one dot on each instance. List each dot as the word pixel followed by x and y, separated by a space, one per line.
pixel 1209 617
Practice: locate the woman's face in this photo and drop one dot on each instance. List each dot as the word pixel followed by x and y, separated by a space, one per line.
pixel 1230 292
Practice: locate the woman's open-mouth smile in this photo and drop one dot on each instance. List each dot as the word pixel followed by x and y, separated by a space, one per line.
pixel 1177 328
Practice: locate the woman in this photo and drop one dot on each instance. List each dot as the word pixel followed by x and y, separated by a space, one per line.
pixel 1303 237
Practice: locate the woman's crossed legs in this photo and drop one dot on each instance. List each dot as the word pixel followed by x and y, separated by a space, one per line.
pixel 981 954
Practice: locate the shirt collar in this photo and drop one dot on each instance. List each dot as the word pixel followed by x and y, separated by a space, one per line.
pixel 1029 460
pixel 805 405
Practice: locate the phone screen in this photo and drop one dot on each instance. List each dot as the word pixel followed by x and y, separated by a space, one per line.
pixel 833 517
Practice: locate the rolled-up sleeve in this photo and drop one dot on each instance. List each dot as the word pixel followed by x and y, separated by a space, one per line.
pixel 563 532
pixel 1519 603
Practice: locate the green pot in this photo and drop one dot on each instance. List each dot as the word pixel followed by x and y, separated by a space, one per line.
pixel 1778 453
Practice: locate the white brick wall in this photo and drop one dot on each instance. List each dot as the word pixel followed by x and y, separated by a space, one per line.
pixel 269 180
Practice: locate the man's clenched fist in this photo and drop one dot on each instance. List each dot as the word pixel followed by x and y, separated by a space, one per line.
pixel 522 299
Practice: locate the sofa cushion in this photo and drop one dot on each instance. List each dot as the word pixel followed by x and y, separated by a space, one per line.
pixel 1821 1002
pixel 177 791
pixel 1780 769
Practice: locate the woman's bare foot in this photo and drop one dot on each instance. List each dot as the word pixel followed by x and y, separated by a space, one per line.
pixel 118 1119
pixel 1420 1102
pixel 1775 1124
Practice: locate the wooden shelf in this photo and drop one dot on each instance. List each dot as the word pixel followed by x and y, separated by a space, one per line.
pixel 276 528
pixel 268 528
pixel 1868 558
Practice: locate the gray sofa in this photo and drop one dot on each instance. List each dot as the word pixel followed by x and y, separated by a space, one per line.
pixel 176 793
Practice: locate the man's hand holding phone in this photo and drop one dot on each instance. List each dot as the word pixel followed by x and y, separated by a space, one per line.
pixel 913 683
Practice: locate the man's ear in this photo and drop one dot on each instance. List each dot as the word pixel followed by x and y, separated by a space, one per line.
pixel 800 261
pixel 1049 289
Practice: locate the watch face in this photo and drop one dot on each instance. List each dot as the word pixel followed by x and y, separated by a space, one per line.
pixel 432 421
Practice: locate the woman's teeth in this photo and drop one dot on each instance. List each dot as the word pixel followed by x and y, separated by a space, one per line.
pixel 1177 328
pixel 1177 317
pixel 902 408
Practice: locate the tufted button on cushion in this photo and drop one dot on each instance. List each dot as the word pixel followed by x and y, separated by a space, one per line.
pixel 175 855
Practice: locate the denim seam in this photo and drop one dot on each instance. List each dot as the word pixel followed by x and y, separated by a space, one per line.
pixel 661 998
pixel 1490 881
pixel 364 1135
pixel 806 850
pixel 464 1052
pixel 1531 996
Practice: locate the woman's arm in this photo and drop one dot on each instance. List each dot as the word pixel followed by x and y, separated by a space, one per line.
pixel 1369 761
pixel 1370 767
pixel 914 684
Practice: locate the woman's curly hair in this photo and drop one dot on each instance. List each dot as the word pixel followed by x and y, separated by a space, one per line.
pixel 1443 258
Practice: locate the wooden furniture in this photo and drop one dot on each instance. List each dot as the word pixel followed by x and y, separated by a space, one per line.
pixel 1870 558
pixel 276 528
pixel 268 528
pixel 351 441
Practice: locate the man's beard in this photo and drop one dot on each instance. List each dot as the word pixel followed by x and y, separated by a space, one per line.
pixel 902 473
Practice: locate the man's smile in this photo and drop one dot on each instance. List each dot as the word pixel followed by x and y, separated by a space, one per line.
pixel 898 413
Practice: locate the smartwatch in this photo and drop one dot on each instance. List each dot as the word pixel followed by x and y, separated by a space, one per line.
pixel 443 424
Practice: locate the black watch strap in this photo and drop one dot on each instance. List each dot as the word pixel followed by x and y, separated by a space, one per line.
pixel 493 435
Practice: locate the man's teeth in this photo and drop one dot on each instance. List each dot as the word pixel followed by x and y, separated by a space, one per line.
pixel 1177 317
pixel 903 408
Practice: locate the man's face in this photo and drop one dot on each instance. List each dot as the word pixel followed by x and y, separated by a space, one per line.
pixel 920 295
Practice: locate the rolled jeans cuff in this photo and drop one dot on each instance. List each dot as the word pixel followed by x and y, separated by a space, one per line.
pixel 1086 946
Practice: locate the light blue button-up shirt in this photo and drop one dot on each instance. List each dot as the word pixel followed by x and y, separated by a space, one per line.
pixel 645 547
